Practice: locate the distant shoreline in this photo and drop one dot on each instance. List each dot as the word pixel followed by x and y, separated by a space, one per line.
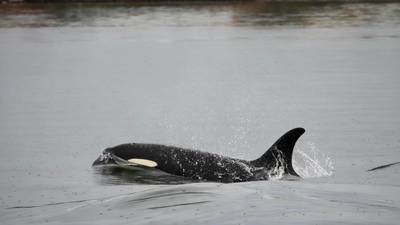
pixel 205 1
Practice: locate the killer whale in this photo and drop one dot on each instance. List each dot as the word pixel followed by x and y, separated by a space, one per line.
pixel 198 165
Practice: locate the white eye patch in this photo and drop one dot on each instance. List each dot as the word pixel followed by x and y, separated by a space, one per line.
pixel 143 162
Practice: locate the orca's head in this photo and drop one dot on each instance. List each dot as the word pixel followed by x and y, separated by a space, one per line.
pixel 131 151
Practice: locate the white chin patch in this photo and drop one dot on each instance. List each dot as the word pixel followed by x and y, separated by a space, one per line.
pixel 143 162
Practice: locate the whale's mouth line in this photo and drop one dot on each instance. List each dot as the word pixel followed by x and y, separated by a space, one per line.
pixel 108 158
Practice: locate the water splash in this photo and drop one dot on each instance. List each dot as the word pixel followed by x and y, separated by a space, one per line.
pixel 311 162
pixel 276 173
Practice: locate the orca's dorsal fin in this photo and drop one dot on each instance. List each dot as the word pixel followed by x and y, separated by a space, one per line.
pixel 280 153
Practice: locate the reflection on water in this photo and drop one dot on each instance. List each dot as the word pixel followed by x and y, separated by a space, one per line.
pixel 199 14
pixel 113 175
pixel 315 14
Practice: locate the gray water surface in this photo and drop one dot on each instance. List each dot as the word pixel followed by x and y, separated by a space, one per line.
pixel 228 78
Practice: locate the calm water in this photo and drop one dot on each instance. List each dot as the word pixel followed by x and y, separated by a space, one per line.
pixel 228 78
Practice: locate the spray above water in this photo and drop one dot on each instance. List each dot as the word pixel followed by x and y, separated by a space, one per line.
pixel 310 162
